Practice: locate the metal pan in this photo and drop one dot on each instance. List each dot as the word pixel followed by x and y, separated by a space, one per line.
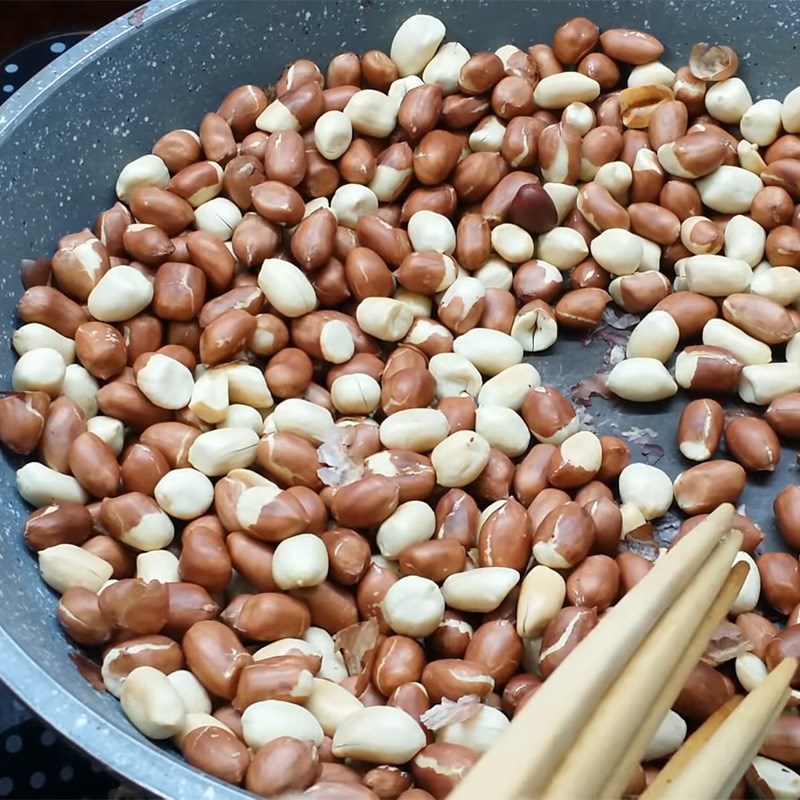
pixel 64 137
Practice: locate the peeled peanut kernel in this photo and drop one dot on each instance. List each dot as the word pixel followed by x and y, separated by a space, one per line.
pixel 300 561
pixel 479 590
pixel 413 606
pixel 379 734
pixel 415 43
pixel 656 336
pixel 646 487
pixel 152 703
pixel 643 380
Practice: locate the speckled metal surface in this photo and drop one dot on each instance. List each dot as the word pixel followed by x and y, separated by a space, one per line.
pixel 64 137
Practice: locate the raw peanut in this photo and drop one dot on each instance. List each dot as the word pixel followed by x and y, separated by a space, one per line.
pixel 564 537
pixel 752 443
pixel 701 488
pixel 780 580
pixel 700 429
pixel 563 633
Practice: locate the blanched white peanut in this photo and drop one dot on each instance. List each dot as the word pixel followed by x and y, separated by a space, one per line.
pixel 717 276
pixel 444 68
pixel 479 732
pixel 352 201
pixel 34 335
pixel 489 350
pixel 761 123
pixel 535 328
pixel 503 428
pixel 40 486
pixel 745 239
pixel 646 487
pixel 157 565
pixel 454 375
pixel 152 703
pixel 384 318
pixel 218 216
pixel 411 522
pixel 336 342
pixel 109 430
pixel 266 720
pixel 413 606
pixel 421 306
pixel 239 415
pixel 749 157
pixel 541 595
pixel 304 418
pixel 429 230
pixel 193 694
pixel 331 704
pixel 39 370
pixel 146 170
pixel 668 737
pixel 286 288
pixel 417 429
pixel 651 74
pixel 563 88
pixel 300 561
pixel 399 88
pixel 356 393
pixel 721 333
pixel 479 590
pixel 165 382
pixel 564 248
pixel 793 350
pixel 729 190
pixel 246 384
pixel 81 387
pixel 781 284
pixel 120 294
pixel 184 493
pixel 510 387
pixel 333 133
pixel 415 43
pixel 460 458
pixel 790 111
pixel 379 734
pixel 643 380
pixel 333 667
pixel 564 197
pixel 728 100
pixel 656 336
pixel 64 566
pixel 372 113
pixel 218 452
pixel 747 599
pixel 512 243
pixel 750 671
pixel 762 383
pixel 495 274
pixel 772 779
pixel 617 251
pixel 210 398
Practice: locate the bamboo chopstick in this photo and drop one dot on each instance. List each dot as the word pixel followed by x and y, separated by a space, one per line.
pixel 521 763
pixel 620 713
pixel 723 759
pixel 674 683
pixel 697 741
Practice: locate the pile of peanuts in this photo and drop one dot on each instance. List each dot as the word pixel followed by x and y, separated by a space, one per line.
pixel 293 479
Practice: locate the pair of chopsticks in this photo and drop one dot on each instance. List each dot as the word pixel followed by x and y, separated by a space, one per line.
pixel 589 724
